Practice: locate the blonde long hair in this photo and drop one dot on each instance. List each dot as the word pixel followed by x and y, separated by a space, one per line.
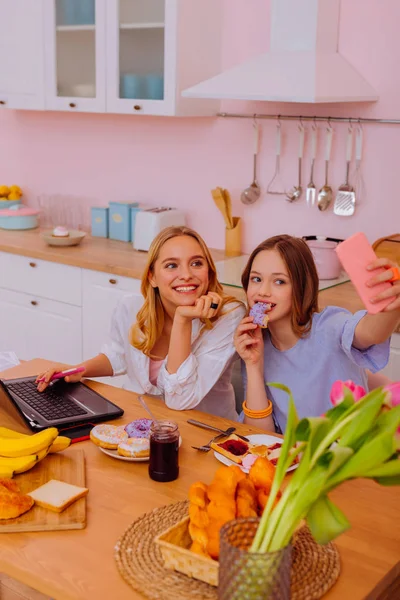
pixel 150 318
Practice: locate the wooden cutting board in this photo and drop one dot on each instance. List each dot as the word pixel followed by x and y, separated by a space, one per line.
pixel 68 466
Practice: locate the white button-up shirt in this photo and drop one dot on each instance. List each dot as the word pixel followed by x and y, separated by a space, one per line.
pixel 203 380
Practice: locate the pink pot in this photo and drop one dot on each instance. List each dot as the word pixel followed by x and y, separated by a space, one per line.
pixel 325 257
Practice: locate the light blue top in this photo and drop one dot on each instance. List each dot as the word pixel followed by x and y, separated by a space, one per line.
pixel 315 362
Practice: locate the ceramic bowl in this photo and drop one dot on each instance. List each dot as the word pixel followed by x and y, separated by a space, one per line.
pixel 75 237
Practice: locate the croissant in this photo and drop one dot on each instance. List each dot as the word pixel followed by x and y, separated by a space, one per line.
pixel 262 473
pixel 198 494
pixel 198 516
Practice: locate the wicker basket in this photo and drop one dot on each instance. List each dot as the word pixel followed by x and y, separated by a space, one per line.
pixel 174 544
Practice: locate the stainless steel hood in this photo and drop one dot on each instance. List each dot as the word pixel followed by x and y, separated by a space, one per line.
pixel 303 64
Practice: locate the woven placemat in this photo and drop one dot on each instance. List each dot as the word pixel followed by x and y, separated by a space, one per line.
pixel 314 570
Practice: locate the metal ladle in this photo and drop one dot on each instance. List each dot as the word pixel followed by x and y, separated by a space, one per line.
pixel 252 193
pixel 296 191
pixel 325 193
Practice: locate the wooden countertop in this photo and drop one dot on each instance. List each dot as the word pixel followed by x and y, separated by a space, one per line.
pixel 76 565
pixel 98 254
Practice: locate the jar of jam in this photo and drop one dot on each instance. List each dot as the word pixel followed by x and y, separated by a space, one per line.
pixel 164 451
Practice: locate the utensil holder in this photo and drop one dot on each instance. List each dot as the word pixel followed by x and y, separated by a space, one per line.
pixel 233 238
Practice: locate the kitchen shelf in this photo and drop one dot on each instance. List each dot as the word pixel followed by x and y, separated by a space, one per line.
pixel 142 26
pixel 76 27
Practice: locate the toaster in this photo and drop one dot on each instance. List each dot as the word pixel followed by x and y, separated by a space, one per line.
pixel 151 221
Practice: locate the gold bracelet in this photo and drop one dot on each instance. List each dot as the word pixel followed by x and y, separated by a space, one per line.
pixel 257 414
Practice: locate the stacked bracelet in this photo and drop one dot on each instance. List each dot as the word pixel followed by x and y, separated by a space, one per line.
pixel 257 414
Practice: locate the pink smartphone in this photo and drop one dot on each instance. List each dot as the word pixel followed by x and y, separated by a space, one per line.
pixel 355 254
pixel 62 374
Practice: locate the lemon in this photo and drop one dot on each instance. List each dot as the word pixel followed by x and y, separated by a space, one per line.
pixel 16 189
pixel 14 196
pixel 4 191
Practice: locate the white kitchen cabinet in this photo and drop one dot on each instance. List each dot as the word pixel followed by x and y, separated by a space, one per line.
pixel 157 48
pixel 393 368
pixel 75 50
pixel 101 293
pixel 22 54
pixel 36 327
pixel 115 56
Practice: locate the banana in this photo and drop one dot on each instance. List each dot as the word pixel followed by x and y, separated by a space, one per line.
pixel 60 443
pixel 32 444
pixel 20 464
pixel 9 433
pixel 6 472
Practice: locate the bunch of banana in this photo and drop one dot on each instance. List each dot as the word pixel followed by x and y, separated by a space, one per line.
pixel 20 452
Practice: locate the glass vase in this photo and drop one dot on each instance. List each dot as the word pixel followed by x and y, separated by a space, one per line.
pixel 249 575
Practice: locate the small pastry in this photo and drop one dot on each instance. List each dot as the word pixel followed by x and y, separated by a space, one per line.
pixel 259 313
pixel 108 436
pixel 140 428
pixel 60 232
pixel 134 447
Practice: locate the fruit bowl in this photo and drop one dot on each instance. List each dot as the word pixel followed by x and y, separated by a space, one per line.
pixel 9 203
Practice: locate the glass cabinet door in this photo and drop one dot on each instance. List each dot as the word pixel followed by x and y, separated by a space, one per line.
pixel 76 55
pixel 136 72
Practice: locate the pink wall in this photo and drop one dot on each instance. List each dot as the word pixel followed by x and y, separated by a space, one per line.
pixel 177 161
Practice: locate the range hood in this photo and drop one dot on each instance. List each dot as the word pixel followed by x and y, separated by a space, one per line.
pixel 303 64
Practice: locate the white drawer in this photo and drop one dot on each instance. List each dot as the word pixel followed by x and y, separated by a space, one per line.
pixel 41 278
pixel 108 280
pixel 395 341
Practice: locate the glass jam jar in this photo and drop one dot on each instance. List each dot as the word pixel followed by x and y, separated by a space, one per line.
pixel 164 451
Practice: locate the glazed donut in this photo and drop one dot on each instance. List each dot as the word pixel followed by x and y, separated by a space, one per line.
pixel 140 428
pixel 108 436
pixel 258 312
pixel 134 447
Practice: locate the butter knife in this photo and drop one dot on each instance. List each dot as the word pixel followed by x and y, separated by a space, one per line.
pixel 206 426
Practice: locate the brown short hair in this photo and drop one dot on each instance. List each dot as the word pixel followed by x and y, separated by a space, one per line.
pixel 303 275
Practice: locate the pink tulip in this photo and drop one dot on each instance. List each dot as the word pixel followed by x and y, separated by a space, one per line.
pixel 392 397
pixel 338 391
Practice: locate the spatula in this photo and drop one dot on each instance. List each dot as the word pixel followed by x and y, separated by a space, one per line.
pixel 345 198
pixel 311 192
pixel 220 202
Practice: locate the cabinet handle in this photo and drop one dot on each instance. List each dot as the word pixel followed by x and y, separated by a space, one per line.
pixel 3 102
pixel 34 302
pixel 72 105
pixel 137 107
pixel 32 264
pixel 113 281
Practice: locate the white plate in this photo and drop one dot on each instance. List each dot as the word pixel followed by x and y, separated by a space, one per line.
pixel 258 439
pixel 114 454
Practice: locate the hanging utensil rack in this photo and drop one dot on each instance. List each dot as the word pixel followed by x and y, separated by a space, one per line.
pixel 360 120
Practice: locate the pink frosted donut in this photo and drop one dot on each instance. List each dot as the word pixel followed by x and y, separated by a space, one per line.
pixel 258 312
pixel 140 428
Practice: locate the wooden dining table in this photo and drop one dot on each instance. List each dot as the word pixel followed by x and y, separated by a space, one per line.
pixel 79 564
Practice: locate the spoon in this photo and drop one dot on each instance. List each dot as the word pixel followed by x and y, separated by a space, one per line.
pixel 296 191
pixel 146 408
pixel 325 193
pixel 252 193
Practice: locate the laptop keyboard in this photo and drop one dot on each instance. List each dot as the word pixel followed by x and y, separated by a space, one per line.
pixel 48 404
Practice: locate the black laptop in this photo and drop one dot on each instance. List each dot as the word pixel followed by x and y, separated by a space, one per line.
pixel 71 407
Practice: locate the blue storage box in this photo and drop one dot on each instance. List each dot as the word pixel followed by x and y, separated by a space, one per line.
pixel 100 221
pixel 134 212
pixel 119 220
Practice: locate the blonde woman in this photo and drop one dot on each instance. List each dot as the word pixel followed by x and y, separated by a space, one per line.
pixel 177 341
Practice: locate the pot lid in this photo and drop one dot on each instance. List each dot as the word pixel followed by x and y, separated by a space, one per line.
pixel 24 211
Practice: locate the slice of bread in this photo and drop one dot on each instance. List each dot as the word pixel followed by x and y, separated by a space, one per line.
pixel 57 495
pixel 232 447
